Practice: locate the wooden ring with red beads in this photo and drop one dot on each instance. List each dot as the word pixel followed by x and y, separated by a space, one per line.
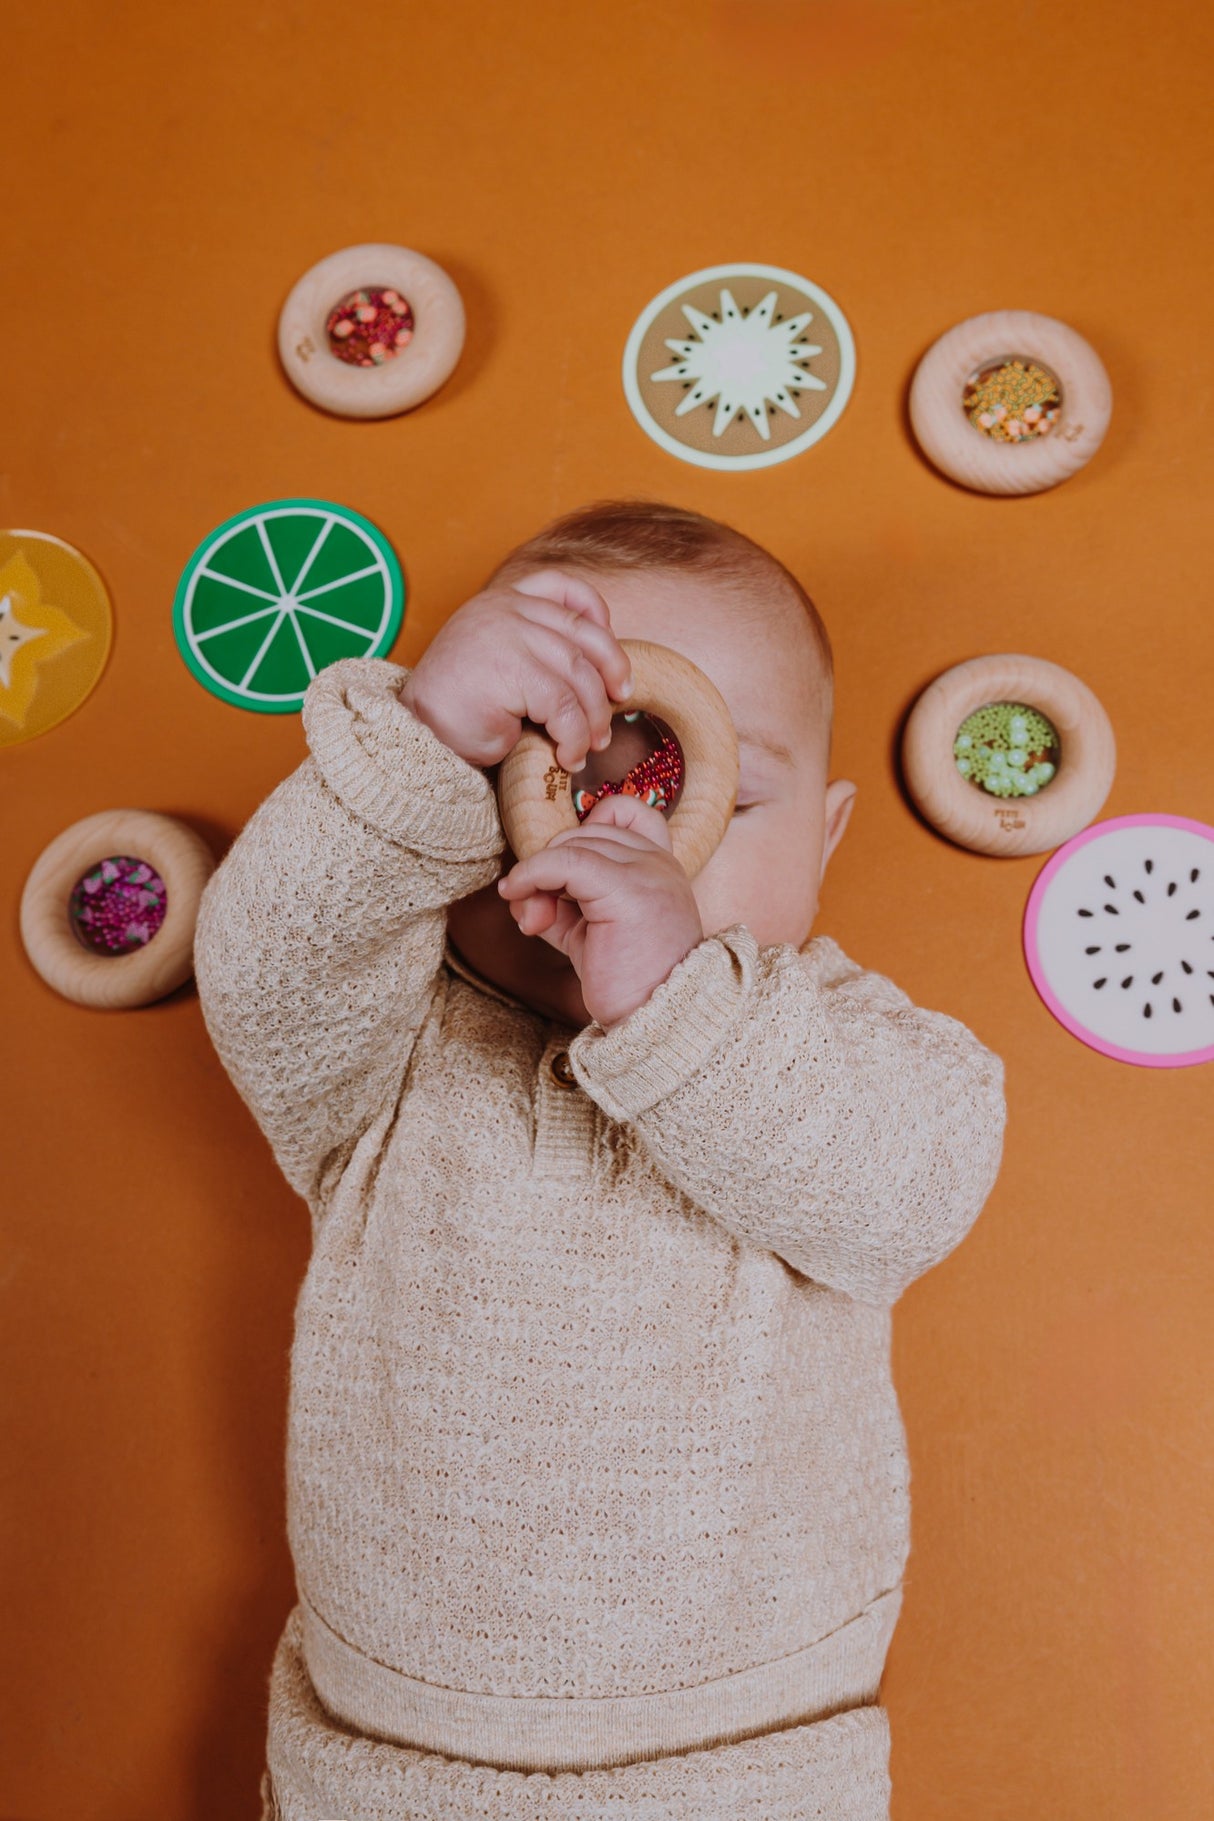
pixel 964 450
pixel 409 376
pixel 972 817
pixel 535 794
pixel 115 982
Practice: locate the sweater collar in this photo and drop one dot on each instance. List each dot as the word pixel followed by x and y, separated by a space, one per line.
pixel 459 966
pixel 467 972
pixel 815 946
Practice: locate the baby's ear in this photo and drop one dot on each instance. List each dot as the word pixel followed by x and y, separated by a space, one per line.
pixel 840 795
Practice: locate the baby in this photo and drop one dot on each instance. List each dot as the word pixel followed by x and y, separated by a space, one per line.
pixel 597 1484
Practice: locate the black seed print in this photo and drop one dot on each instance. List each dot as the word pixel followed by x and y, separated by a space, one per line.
pixel 1186 967
pixel 1189 918
pixel 1111 883
pixel 1092 951
pixel 1171 888
pixel 1084 913
pixel 1112 910
pixel 1150 865
pixel 1121 947
pixel 1140 897
pixel 1156 978
pixel 1146 1010
pixel 1104 980
pixel 1128 981
pixel 1176 1005
pixel 1194 876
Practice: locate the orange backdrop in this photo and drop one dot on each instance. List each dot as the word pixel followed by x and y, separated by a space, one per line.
pixel 171 172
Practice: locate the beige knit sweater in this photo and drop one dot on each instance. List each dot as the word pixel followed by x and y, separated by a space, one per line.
pixel 597 1482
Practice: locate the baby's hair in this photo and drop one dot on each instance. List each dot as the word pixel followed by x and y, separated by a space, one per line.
pixel 649 534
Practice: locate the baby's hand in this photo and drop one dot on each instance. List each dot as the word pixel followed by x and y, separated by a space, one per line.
pixel 610 895
pixel 540 649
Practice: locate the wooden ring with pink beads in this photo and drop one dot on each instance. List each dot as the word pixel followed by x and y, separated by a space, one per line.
pixel 1010 402
pixel 371 331
pixel 534 791
pixel 109 908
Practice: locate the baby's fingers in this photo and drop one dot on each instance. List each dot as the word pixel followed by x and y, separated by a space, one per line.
pixel 627 817
pixel 548 916
pixel 563 690
pixel 569 590
pixel 584 870
pixel 596 640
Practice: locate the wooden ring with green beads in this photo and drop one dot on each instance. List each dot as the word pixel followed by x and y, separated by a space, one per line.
pixel 1036 812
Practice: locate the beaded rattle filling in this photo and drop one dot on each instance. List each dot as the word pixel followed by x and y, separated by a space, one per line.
pixel 118 905
pixel 656 779
pixel 370 326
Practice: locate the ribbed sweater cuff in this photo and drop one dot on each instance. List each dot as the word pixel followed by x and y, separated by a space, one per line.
pixel 660 1046
pixel 391 769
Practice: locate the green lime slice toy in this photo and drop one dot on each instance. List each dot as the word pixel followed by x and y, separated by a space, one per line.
pixel 277 593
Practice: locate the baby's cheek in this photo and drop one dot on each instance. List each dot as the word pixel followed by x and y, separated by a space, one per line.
pixel 760 875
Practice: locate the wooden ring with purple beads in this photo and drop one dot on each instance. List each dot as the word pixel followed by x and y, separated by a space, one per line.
pixel 1010 402
pixel 371 331
pixel 109 908
pixel 535 795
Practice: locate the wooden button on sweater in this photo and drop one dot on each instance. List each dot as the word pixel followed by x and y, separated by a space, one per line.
pixel 561 1070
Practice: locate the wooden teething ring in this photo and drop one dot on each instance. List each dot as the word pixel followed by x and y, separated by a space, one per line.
pixel 962 450
pixel 406 379
pixel 534 791
pixel 971 816
pixel 113 982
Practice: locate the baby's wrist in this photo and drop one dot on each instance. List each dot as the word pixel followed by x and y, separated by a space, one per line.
pixel 423 709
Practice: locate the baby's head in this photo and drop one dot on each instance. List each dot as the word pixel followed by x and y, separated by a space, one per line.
pixel 689 582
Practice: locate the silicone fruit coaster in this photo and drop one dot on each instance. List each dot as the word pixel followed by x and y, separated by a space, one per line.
pixel 739 366
pixel 1119 939
pixel 56 629
pixel 278 593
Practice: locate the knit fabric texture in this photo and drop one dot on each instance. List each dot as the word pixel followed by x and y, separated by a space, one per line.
pixel 836 1769
pixel 595 1466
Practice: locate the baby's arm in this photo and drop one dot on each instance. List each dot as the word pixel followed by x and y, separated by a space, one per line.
pixel 809 1106
pixel 320 935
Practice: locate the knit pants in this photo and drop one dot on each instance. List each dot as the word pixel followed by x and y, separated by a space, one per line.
pixel 831 1769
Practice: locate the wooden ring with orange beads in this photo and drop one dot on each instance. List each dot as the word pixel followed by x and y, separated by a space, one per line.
pixel 973 817
pixel 119 981
pixel 409 375
pixel 535 796
pixel 988 449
